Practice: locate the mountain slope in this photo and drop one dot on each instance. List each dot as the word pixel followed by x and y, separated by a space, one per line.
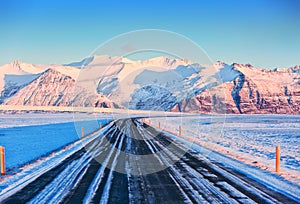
pixel 253 91
pixel 13 83
pixel 162 83
pixel 53 88
pixel 16 75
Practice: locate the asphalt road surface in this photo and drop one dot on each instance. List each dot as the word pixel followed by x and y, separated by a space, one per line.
pixel 135 163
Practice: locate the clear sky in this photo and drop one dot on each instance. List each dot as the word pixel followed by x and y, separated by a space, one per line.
pixel 265 33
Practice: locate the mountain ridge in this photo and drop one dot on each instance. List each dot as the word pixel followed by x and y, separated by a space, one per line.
pixel 160 83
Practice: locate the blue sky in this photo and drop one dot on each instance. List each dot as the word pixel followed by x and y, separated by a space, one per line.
pixel 264 33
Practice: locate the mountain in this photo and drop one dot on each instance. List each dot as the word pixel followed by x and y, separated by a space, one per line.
pixel 252 91
pixel 53 88
pixel 161 83
pixel 16 75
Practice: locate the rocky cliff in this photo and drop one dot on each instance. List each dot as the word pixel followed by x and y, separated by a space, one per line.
pixel 161 83
pixel 254 91
pixel 53 88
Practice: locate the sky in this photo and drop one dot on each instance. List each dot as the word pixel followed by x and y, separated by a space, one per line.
pixel 264 33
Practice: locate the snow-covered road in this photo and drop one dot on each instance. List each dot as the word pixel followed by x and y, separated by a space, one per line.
pixel 132 162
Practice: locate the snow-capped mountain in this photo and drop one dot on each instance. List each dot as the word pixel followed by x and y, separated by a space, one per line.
pixel 53 88
pixel 160 83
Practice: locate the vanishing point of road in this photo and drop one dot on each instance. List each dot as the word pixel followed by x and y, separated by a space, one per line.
pixel 107 170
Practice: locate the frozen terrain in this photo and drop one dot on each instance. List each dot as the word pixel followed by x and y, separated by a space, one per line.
pixel 158 167
pixel 29 136
pixel 30 119
pixel 249 138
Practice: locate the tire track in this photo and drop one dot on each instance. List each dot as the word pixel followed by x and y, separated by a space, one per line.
pixel 226 180
pixel 96 173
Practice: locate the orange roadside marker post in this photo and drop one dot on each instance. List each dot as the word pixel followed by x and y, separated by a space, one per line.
pixel 2 160
pixel 82 132
pixel 158 125
pixel 278 159
pixel 180 130
pixel 100 125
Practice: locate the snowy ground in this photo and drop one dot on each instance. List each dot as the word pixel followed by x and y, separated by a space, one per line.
pixel 30 119
pixel 29 136
pixel 193 179
pixel 251 139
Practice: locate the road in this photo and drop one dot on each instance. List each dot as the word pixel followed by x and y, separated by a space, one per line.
pixel 86 110
pixel 133 162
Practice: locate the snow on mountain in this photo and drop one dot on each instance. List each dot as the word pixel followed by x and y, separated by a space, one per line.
pixel 163 82
pixel 82 63
pixel 13 83
pixel 152 98
pixel 17 67
pixel 66 70
pixel 122 86
pixel 160 83
pixel 16 75
pixel 53 88
pixel 252 90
